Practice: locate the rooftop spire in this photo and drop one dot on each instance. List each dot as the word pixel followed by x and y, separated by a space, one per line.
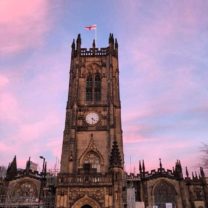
pixel 178 170
pixel 111 40
pixel 160 163
pixel 187 173
pixel 28 163
pixel 202 172
pixel 143 166
pixel 196 176
pixel 140 167
pixel 73 44
pixel 116 44
pixel 93 44
pixel 12 169
pixel 115 157
pixel 79 41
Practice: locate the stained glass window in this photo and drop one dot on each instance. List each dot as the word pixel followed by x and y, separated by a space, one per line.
pixel 164 193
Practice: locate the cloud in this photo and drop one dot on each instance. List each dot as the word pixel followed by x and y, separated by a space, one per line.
pixel 168 148
pixel 32 139
pixel 162 60
pixel 35 131
pixel 32 105
pixel 9 108
pixel 23 24
pixel 3 81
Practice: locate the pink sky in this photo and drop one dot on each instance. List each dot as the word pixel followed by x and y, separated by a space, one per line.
pixel 163 51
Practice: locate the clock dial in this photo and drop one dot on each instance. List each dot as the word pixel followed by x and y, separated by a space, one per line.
pixel 92 118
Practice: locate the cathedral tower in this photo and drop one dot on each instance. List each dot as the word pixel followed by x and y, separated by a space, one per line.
pixel 92 160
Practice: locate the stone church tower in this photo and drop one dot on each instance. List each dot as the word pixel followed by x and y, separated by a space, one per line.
pixel 92 158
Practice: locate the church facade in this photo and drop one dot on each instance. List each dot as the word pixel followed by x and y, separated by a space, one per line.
pixel 163 188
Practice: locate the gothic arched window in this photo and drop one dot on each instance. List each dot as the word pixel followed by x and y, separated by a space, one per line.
pixel 164 193
pixel 24 192
pixel 97 87
pixel 93 160
pixel 89 87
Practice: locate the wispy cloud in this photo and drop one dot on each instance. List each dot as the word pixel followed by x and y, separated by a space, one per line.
pixel 30 117
pixel 23 24
pixel 163 75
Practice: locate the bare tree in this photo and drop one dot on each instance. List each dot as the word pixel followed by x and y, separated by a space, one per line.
pixel 204 150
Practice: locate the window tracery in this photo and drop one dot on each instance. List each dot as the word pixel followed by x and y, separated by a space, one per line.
pixel 97 89
pixel 89 88
pixel 93 87
pixel 25 192
pixel 164 193
pixel 93 160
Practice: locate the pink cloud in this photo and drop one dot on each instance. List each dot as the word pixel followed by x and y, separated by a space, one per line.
pixel 23 24
pixel 9 106
pixel 32 139
pixel 55 145
pixel 4 148
pixel 34 131
pixel 169 149
pixel 3 81
pixel 29 113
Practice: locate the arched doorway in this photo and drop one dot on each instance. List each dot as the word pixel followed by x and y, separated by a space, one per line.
pixel 86 206
pixel 86 202
pixel 23 207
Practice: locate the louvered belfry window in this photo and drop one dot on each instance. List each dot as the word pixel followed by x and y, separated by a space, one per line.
pixel 93 87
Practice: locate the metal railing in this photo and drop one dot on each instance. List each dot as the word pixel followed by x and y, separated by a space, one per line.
pixel 89 180
pixel 26 202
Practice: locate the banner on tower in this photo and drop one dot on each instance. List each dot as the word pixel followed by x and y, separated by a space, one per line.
pixel 91 27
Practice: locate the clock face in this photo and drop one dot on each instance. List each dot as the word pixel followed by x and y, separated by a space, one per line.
pixel 92 118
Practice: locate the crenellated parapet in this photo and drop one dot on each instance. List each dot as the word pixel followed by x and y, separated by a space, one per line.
pixel 175 173
pixel 112 49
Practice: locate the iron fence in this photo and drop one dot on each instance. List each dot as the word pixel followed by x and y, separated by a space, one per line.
pixel 26 202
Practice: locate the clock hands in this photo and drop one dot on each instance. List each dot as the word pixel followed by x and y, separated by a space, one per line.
pixel 93 120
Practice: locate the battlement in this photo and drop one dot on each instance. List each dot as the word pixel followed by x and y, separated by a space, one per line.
pixel 94 52
pixel 152 174
pixel 84 52
pixel 176 173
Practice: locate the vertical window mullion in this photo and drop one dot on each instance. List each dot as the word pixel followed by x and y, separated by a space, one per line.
pixel 97 88
pixel 89 88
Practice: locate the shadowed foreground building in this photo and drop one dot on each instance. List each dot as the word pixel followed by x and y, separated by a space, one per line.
pixel 92 159
pixel 27 187
pixel 167 188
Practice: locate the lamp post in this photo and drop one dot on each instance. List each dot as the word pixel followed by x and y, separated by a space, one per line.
pixel 43 158
pixel 43 183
